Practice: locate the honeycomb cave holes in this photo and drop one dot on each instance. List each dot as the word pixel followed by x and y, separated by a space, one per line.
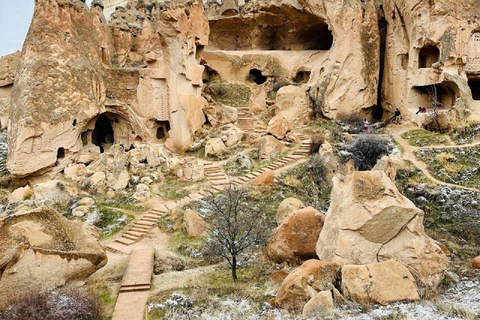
pixel 474 85
pixel 103 133
pixel 163 127
pixel 256 76
pixel 428 56
pixel 74 123
pixel 302 77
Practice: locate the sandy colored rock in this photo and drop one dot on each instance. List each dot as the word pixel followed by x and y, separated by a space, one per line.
pixel 220 114
pixel 476 263
pixel 232 135
pixel 40 249
pixel 137 77
pixel 384 282
pixel 20 194
pixel 258 100
pixel 80 211
pixel 278 126
pixel 270 146
pixel 194 224
pixel 370 221
pixel 294 241
pixel 142 192
pixel 286 208
pixel 306 282
pixel 320 306
pixel 293 104
pixel 266 178
pixel 52 192
pixel 215 147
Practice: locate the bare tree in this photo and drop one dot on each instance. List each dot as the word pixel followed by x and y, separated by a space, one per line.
pixel 235 225
pixel 435 105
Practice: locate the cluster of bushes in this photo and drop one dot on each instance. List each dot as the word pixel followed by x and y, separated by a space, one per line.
pixel 68 304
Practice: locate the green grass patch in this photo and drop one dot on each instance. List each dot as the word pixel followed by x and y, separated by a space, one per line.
pixel 111 221
pixel 459 166
pixel 467 133
pixel 175 189
pixel 125 206
pixel 422 138
pixel 231 94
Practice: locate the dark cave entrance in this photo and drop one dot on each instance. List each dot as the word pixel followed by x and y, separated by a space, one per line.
pixel 377 111
pixel 103 132
pixel 60 153
pixel 474 85
pixel 428 56
pixel 163 127
pixel 281 28
pixel 209 75
pixel 302 76
pixel 257 76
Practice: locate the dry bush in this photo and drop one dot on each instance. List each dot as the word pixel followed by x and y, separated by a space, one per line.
pixel 69 304
pixel 353 123
pixel 366 150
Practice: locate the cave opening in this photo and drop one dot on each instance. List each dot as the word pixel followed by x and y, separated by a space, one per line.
pixel 163 127
pixel 302 76
pixel 474 85
pixel 377 111
pixel 428 56
pixel 440 96
pixel 209 75
pixel 60 153
pixel 103 133
pixel 283 28
pixel 256 76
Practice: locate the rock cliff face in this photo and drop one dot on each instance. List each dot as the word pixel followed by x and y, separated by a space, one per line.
pixel 83 83
pixel 8 67
pixel 40 249
pixel 432 48
pixel 324 46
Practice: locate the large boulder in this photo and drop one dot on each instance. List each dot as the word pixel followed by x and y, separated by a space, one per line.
pixel 270 147
pixel 370 221
pixel 215 147
pixel 295 239
pixel 382 283
pixel 293 104
pixel 266 178
pixel 52 192
pixel 40 249
pixel 286 208
pixel 306 282
pixel 194 224
pixel 278 126
pixel 319 307
pixel 232 135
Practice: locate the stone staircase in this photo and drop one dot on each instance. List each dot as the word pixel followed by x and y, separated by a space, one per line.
pixel 217 177
pixel 301 152
pixel 141 227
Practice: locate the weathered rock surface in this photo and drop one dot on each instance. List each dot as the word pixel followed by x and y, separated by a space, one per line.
pixel 279 127
pixel 370 221
pixel 382 283
pixel 476 263
pixel 293 104
pixel 294 241
pixel 286 208
pixel 266 178
pixel 134 79
pixel 305 282
pixel 320 306
pixel 40 249
pixel 194 224
pixel 215 147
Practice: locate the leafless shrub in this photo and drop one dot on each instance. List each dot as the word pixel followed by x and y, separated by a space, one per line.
pixel 67 304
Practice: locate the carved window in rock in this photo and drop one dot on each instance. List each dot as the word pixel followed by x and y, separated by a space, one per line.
pixel 474 85
pixel 103 133
pixel 428 56
pixel 162 129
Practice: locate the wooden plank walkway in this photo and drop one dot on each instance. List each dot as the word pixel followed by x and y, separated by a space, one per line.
pixel 135 287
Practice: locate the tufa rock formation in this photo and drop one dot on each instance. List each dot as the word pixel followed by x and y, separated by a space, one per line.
pixel 295 239
pixel 40 249
pixel 370 221
pixel 83 83
pixel 8 67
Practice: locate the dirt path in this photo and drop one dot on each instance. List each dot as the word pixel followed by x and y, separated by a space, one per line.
pixel 409 154
pixel 180 279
